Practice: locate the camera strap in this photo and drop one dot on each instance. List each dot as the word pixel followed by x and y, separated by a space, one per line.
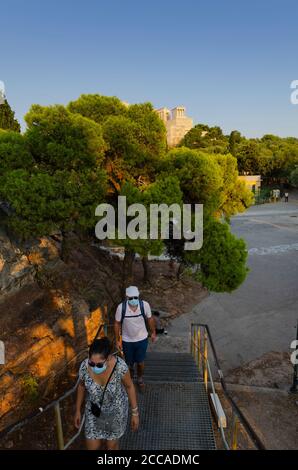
pixel 104 391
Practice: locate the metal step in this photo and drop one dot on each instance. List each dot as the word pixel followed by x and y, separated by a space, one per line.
pixel 172 416
pixel 170 367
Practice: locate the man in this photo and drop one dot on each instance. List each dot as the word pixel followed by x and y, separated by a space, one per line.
pixel 286 197
pixel 131 319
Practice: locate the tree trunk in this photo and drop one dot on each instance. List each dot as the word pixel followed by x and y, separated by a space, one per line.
pixel 129 258
pixel 172 267
pixel 180 271
pixel 146 269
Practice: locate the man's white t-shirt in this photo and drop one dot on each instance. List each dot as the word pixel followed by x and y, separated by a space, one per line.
pixel 133 326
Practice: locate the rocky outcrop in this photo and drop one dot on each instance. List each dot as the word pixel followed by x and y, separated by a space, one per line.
pixel 20 262
pixel 50 310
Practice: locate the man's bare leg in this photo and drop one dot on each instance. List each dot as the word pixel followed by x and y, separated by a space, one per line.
pixel 140 372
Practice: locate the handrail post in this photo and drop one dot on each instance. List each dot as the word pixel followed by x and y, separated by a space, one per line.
pixel 199 348
pixel 194 340
pixel 293 388
pixel 205 359
pixel 59 428
pixel 234 432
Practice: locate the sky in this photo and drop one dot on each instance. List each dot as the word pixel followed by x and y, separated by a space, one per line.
pixel 230 63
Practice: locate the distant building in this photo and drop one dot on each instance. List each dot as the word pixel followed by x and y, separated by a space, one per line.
pixel 176 122
pixel 253 182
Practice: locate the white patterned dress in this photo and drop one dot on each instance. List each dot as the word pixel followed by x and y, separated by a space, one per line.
pixel 114 411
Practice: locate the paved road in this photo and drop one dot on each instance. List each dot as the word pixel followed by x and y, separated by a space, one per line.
pixel 261 315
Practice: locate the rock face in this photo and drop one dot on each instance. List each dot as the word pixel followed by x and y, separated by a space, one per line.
pixel 51 307
pixel 20 262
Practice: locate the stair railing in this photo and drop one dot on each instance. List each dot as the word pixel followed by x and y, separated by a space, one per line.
pixel 200 338
pixel 56 406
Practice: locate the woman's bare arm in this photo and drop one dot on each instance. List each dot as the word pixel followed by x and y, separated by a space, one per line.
pixel 130 388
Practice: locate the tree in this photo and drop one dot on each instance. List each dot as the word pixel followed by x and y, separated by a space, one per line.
pixel 213 181
pixel 162 191
pixel 98 107
pixel 235 196
pixel 44 203
pixel 14 152
pixel 7 119
pixel 222 259
pixel 205 138
pixel 61 140
pixel 59 183
pixel 199 175
pixel 234 139
pixel 249 157
pixel 294 178
pixel 135 137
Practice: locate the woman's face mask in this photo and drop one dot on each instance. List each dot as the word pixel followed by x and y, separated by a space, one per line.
pixel 98 368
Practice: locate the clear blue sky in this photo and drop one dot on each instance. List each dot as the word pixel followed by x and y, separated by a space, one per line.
pixel 230 62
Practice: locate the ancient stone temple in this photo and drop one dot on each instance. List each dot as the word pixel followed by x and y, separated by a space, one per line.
pixel 176 122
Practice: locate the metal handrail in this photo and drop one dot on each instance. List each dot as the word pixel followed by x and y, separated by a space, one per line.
pixel 237 413
pixel 216 409
pixel 56 405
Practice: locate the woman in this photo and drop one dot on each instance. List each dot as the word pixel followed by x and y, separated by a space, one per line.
pixel 108 384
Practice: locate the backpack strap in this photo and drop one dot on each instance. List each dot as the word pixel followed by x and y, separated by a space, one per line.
pixel 123 311
pixel 142 308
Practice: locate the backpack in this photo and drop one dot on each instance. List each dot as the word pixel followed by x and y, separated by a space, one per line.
pixel 123 311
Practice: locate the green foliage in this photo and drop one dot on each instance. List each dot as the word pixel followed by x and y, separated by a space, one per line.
pixel 133 150
pixel 98 107
pixel 30 388
pixel 14 152
pixel 294 178
pixel 55 175
pixel 234 139
pixel 59 139
pixel 44 203
pixel 199 175
pixel 7 119
pixel 203 137
pixel 222 259
pixel 270 156
pixel 162 191
pixel 235 196
pixel 152 132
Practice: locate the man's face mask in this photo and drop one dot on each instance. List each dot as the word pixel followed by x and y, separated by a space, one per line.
pixel 133 301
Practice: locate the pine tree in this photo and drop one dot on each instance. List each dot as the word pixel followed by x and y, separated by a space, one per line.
pixel 7 119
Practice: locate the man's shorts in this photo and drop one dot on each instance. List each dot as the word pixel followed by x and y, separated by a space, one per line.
pixel 135 351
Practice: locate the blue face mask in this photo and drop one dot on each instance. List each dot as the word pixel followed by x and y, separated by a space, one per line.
pixel 133 302
pixel 99 370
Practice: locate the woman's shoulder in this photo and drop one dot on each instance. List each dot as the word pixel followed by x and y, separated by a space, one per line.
pixel 121 365
pixel 83 368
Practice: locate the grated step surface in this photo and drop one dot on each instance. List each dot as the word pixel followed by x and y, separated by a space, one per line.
pixel 173 416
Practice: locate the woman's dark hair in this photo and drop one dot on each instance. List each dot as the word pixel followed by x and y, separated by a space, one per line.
pixel 101 346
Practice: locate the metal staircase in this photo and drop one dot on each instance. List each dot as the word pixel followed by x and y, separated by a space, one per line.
pixel 174 409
